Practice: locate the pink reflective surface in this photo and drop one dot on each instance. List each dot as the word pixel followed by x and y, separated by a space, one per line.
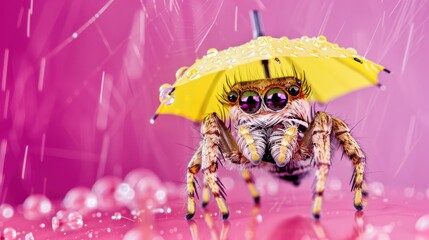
pixel 80 79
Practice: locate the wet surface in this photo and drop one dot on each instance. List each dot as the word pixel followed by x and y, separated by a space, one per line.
pixel 283 216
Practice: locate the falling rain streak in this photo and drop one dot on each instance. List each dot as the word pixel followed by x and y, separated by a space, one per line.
pixel 4 75
pixel 41 74
pixel 405 58
pixel 24 164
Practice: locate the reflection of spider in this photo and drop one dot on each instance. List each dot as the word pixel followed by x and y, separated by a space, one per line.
pixel 272 128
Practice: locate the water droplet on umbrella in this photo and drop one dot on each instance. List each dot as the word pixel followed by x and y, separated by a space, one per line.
pixel 422 223
pixel 304 38
pixel 29 236
pixel 8 234
pixel 65 220
pixel 212 52
pixel 352 51
pixel 36 206
pixel 321 38
pixel 180 71
pixel 6 211
pixel 42 225
pixel 80 199
pixel 165 94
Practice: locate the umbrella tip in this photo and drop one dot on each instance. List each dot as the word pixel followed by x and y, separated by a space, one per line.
pixel 256 24
pixel 153 118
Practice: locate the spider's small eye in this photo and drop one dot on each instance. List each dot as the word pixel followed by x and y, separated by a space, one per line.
pixel 232 97
pixel 293 90
pixel 275 99
pixel 250 102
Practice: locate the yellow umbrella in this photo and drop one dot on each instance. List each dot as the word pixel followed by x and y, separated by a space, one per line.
pixel 330 70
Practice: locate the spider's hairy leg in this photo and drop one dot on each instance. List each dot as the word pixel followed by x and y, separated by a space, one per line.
pixel 193 168
pixel 247 175
pixel 206 195
pixel 354 152
pixel 283 143
pixel 321 148
pixel 211 132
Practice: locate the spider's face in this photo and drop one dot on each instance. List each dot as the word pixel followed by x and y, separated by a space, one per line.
pixel 265 96
pixel 261 112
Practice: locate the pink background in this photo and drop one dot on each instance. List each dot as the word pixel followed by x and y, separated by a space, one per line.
pixel 58 52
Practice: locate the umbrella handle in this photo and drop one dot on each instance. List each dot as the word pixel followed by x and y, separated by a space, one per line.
pixel 256 24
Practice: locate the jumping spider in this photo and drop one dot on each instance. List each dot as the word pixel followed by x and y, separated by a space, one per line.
pixel 272 127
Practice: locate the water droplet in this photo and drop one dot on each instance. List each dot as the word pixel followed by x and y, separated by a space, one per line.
pixel 108 230
pixel 80 199
pixel 335 184
pixel 166 94
pixel 180 71
pixel 191 72
pixel 376 188
pixel 422 223
pixel 212 52
pixel 74 35
pixel 9 234
pixel 66 220
pixel 117 216
pixel 29 236
pixel 104 189
pixel 409 192
pixel 149 191
pixel 304 39
pixel 134 234
pixel 36 206
pixel 351 51
pixel 6 211
pixel 42 225
pixel 321 38
pixel 124 194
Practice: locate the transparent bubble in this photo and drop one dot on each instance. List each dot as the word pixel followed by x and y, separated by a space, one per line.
pixel 422 223
pixel 66 220
pixel 165 94
pixel 104 189
pixel 36 206
pixel 124 194
pixel 80 199
pixel 134 234
pixel 376 188
pixel 149 191
pixel 6 211
pixel 29 236
pixel 9 234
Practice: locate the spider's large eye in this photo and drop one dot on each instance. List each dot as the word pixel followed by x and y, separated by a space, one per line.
pixel 275 99
pixel 232 97
pixel 293 90
pixel 250 102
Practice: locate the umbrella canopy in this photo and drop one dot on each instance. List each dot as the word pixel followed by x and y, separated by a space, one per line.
pixel 330 71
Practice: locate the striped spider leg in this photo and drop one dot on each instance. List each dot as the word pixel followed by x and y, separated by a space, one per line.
pixel 217 143
pixel 320 131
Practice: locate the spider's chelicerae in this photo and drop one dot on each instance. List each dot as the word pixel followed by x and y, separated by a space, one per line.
pixel 272 127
